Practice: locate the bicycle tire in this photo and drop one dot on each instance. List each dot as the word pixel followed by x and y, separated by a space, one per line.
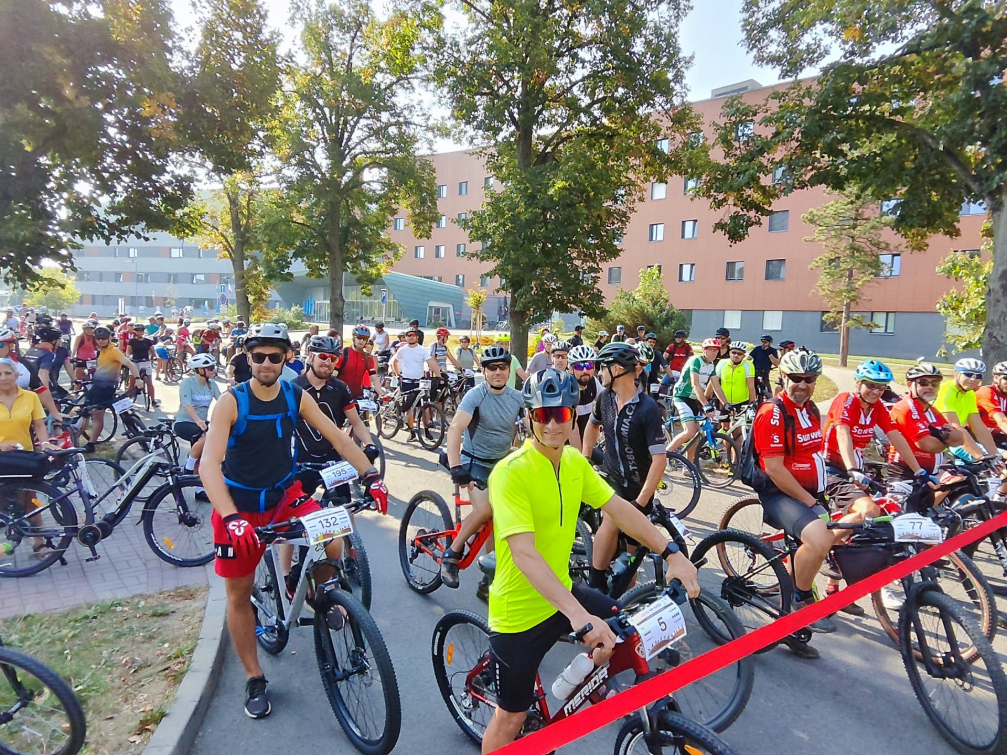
pixel 382 461
pixel 721 626
pixel 267 604
pixel 131 450
pixel 15 689
pixel 180 520
pixel 758 591
pixel 105 476
pixel 985 666
pixel 583 550
pixel 682 485
pixel 430 432
pixel 678 733
pixel 363 644
pixel 388 421
pixel 358 568
pixel 423 578
pixel 746 515
pixel 450 674
pixel 725 463
pixel 108 430
pixel 63 525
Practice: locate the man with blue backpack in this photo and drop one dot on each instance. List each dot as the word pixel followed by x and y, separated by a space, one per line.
pixel 248 469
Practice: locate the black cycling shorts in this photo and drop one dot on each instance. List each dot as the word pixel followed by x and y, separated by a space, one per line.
pixel 187 430
pixel 517 656
pixel 100 395
pixel 781 511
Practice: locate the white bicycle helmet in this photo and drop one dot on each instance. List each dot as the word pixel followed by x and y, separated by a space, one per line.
pixel 1000 368
pixel 7 335
pixel 801 362
pixel 582 353
pixel 969 364
pixel 740 346
pixel 922 369
pixel 202 361
pixel 549 338
pixel 90 323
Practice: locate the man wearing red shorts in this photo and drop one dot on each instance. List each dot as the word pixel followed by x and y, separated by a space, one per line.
pixel 254 423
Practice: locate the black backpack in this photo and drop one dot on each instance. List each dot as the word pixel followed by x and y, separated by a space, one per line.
pixel 749 471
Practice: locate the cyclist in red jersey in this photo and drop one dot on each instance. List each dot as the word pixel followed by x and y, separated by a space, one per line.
pixel 787 436
pixel 357 366
pixel 925 429
pixel 992 402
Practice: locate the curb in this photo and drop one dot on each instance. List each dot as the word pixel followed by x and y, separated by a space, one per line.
pixel 177 730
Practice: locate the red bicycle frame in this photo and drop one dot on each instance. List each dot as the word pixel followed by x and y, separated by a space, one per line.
pixel 424 542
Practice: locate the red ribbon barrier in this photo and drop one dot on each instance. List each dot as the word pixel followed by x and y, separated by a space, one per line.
pixel 628 701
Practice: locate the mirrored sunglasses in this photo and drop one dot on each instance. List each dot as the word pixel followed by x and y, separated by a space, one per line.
pixel 545 414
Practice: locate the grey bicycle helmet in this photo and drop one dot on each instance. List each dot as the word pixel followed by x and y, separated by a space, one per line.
pixel 551 387
pixel 323 345
pixel 801 362
pixel 922 369
pixel 494 354
pixel 645 352
pixel 622 354
pixel 268 334
pixel 1000 368
pixel 561 347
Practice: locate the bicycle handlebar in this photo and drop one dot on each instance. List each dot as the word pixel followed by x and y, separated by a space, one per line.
pixel 620 623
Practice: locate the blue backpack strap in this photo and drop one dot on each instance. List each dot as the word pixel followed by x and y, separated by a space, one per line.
pixel 240 392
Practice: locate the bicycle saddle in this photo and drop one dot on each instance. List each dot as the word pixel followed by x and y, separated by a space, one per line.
pixel 488 564
pixel 442 459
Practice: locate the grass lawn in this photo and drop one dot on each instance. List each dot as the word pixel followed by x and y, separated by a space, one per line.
pixel 124 660
pixel 825 389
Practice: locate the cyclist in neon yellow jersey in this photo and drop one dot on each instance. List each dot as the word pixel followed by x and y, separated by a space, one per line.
pixel 957 402
pixel 737 375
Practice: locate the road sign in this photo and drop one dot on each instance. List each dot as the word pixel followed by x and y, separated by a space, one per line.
pixel 223 300
pixel 222 288
pixel 384 296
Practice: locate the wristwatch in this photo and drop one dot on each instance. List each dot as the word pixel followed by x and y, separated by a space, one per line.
pixel 670 549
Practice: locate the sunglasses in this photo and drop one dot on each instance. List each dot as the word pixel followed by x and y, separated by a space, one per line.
pixel 259 357
pixel 809 379
pixel 327 357
pixel 545 414
pixel 211 368
pixel 583 366
pixel 496 366
pixel 974 375
pixel 359 338
pixel 873 386
pixel 931 383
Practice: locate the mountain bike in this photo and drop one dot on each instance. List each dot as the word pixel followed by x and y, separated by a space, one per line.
pixel 653 637
pixel 428 418
pixel 39 712
pixel 715 454
pixel 354 664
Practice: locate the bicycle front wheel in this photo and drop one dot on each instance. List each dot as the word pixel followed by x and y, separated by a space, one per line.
pixel 177 525
pixel 37 525
pixel 680 485
pixel 38 711
pixel 270 631
pixel 964 697
pixel 430 426
pixel 358 568
pixel 358 677
pixel 717 461
pixel 107 430
pixel 673 733
pixel 423 538
pixel 461 646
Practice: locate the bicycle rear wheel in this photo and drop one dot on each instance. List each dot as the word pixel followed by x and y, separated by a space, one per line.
pixel 717 463
pixel 37 525
pixel 270 631
pixel 38 711
pixel 965 698
pixel 108 430
pixel 177 526
pixel 420 545
pixel 680 485
pixel 358 677
pixel 430 426
pixel 674 734
pixel 461 643
pixel 388 420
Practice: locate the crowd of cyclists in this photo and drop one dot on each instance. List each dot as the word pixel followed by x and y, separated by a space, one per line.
pixel 595 418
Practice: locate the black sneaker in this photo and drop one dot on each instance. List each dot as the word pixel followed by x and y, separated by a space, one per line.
pixel 89 448
pixel 824 625
pixel 256 700
pixel 830 568
pixel 483 590
pixel 449 569
pixel 800 649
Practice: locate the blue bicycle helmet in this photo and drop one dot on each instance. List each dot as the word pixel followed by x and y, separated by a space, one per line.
pixel 874 371
pixel 551 387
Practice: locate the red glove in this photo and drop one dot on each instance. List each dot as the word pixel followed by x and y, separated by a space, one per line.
pixel 242 534
pixel 377 491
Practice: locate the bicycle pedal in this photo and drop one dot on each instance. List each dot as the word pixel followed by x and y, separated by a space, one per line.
pixel 306 621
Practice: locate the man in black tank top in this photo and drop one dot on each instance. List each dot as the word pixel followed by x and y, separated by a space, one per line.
pixel 139 351
pixel 253 425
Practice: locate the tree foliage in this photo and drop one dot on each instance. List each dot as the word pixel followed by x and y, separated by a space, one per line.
pixel 87 103
pixel 52 289
pixel 922 124
pixel 964 307
pixel 475 299
pixel 347 135
pixel 566 94
pixel 648 304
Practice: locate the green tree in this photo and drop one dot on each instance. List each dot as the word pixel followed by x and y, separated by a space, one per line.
pixel 233 81
pixel 851 231
pixel 913 110
pixel 52 289
pixel 476 300
pixel 87 103
pixel 347 136
pixel 964 307
pixel 567 93
pixel 648 304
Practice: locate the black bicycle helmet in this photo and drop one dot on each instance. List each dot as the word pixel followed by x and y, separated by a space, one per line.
pixel 551 387
pixel 494 354
pixel 323 345
pixel 49 334
pixel 766 337
pixel 619 353
pixel 922 369
pixel 102 332
pixel 681 334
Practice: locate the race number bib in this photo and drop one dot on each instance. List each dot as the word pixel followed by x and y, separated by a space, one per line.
pixel 336 474
pixel 322 526
pixel 122 405
pixel 655 387
pixel 913 528
pixel 393 382
pixel 660 624
pixel 425 385
pixel 680 526
pixel 366 405
pixel 91 364
pixel 469 372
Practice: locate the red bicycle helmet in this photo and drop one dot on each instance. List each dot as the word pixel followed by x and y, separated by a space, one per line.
pixel 443 332
pixel 711 343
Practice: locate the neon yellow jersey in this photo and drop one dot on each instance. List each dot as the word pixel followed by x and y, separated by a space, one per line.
pixel 962 403
pixel 734 379
pixel 528 496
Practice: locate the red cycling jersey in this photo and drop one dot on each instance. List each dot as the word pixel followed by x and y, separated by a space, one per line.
pixel 354 370
pixel 805 460
pixel 913 418
pixel 991 401
pixel 676 356
pixel 847 411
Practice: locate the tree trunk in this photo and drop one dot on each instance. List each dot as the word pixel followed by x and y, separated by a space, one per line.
pixel 995 338
pixel 238 257
pixel 519 335
pixel 844 334
pixel 336 301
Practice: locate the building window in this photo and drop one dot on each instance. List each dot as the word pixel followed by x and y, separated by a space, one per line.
pixel 199 277
pixel 779 221
pixel 420 252
pixel 658 190
pixel 439 251
pixel 656 232
pixel 780 175
pixel 462 215
pixel 891 265
pixel 772 320
pixel 615 275
pixel 973 208
pixel 442 191
pixel 690 229
pixel 117 277
pixel 827 325
pixel 399 224
pixel 691 184
pixel 732 319
pixel 484 281
pixel 176 252
pixel 696 138
pixel 83 276
pixel 172 277
pixel 775 269
pixel 651 267
pixel 463 188
pixel 890 207
pixel 488 182
pixel 442 221
pixel 735 272
pixel 687 272
pixel 460 280
pixel 664 145
pixel 744 131
pixel 133 251
pixel 141 277
pixel 459 250
pixel 884 322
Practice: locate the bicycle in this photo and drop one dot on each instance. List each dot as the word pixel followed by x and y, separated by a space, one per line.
pixel 39 712
pixel 428 418
pixel 366 408
pixel 716 453
pixel 34 510
pixel 354 664
pixel 465 676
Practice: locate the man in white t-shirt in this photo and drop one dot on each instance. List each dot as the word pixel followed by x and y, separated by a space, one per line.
pixel 409 363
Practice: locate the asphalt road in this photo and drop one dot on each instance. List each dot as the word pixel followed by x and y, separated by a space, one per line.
pixel 855 698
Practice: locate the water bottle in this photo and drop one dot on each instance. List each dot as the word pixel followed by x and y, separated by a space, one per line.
pixel 572 676
pixel 620 565
pixel 6 549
